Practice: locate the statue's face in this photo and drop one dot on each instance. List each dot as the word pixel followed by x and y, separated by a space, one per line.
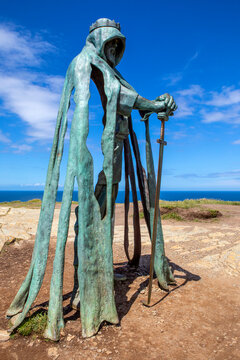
pixel 111 51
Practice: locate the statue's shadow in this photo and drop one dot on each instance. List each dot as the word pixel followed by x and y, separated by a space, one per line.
pixel 122 288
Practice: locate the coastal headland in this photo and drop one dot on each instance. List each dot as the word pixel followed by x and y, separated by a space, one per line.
pixel 197 319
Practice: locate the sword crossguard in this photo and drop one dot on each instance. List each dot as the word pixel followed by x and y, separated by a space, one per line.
pixel 160 141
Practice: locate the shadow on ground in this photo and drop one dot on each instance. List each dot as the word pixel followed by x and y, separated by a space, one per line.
pixel 122 288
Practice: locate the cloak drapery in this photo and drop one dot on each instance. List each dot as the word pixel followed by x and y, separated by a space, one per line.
pixel 95 267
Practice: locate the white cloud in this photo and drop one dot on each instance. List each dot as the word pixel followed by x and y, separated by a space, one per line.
pixel 229 114
pixel 176 135
pixel 174 78
pixel 222 106
pixel 20 48
pixel 228 96
pixel 21 148
pixel 187 99
pixel 236 142
pixel 33 96
pixel 192 58
pixel 234 174
pixel 4 138
pixel 193 90
pixel 36 105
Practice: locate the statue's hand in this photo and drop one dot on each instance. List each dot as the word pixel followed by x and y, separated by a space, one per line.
pixel 165 104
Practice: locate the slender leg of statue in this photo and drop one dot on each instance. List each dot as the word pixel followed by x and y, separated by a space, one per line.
pixel 75 298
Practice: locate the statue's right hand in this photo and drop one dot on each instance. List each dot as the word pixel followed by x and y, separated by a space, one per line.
pixel 165 103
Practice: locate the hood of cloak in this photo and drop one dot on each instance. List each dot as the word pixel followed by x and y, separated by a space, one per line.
pixel 101 36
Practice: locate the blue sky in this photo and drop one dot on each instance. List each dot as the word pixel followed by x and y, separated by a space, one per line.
pixel 189 49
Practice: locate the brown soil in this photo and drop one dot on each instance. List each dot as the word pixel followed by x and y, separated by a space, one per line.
pixel 191 214
pixel 197 319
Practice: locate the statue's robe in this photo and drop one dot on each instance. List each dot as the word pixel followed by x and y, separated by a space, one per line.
pixel 95 268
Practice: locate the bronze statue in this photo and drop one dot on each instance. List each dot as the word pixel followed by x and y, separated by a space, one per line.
pixel 104 49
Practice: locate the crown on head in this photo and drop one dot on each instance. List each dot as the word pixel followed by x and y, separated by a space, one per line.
pixel 104 22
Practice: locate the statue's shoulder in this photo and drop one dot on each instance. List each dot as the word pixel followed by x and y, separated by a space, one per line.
pixel 82 59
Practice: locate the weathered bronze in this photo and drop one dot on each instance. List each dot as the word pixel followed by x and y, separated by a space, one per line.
pixel 163 117
pixel 94 278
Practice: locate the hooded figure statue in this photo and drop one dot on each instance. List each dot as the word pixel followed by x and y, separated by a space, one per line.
pixel 94 262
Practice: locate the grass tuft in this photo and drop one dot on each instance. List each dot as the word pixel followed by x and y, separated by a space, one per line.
pixel 172 216
pixel 30 204
pixel 213 213
pixel 190 203
pixel 34 324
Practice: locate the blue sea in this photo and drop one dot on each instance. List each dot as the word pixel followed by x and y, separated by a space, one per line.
pixel 165 195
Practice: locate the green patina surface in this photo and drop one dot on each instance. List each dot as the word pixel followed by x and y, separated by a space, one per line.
pixel 93 246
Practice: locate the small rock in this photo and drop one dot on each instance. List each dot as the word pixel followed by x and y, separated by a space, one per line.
pixel 53 352
pixel 62 332
pixel 142 292
pixel 4 335
pixel 108 352
pixel 70 337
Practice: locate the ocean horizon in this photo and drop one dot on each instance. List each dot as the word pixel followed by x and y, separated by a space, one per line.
pixel 168 195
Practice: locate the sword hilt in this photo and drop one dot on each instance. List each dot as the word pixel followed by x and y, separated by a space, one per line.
pixel 163 117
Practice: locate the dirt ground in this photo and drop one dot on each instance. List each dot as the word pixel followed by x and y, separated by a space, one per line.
pixel 197 319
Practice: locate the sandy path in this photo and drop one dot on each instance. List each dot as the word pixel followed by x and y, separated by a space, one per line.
pixel 199 319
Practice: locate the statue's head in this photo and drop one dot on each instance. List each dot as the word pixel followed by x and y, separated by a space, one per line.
pixel 108 41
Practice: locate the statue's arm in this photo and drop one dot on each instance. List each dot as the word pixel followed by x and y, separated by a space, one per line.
pixel 129 99
pixel 162 103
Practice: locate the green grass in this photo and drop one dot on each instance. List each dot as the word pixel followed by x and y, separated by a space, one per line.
pixel 172 216
pixel 213 213
pixel 190 203
pixel 173 209
pixel 185 204
pixel 34 324
pixel 31 204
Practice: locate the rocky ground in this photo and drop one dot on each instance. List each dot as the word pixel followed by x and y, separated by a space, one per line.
pixel 197 319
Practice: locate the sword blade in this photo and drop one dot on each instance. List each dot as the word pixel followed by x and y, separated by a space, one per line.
pixel 156 211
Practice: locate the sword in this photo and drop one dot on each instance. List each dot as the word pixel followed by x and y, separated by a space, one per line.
pixel 163 117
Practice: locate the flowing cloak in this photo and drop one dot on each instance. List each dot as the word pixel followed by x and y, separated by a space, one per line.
pixel 95 268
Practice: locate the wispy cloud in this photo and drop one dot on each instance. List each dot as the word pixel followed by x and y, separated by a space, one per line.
pixel 222 106
pixel 24 90
pixel 227 96
pixel 224 174
pixel 174 78
pixel 36 105
pixel 192 91
pixel 17 149
pixel 4 138
pixel 192 58
pixel 229 115
pixel 186 100
pixel 178 135
pixel 236 142
pixel 19 48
